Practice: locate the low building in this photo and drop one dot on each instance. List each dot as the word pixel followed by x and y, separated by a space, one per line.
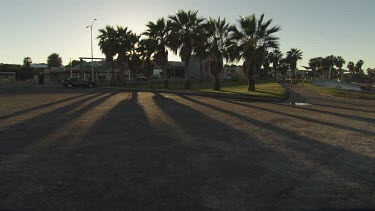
pixel 101 72
pixel 7 77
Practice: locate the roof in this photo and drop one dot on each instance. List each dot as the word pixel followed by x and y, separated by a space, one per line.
pixel 39 66
pixel 7 73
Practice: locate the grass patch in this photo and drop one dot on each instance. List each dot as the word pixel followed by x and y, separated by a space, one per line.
pixel 341 93
pixel 262 89
pixel 270 89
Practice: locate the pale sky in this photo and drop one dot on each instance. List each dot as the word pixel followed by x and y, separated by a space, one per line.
pixel 37 28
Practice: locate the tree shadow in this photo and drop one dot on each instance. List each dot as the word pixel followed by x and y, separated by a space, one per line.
pixel 17 113
pixel 344 101
pixel 343 127
pixel 125 162
pixel 20 135
pixel 342 107
pixel 312 149
pixel 347 116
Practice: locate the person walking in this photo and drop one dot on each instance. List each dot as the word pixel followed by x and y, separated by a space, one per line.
pixel 41 79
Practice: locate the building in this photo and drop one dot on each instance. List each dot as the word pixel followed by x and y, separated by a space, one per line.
pixel 102 73
pixel 7 77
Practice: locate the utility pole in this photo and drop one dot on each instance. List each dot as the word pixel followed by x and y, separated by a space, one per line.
pixel 92 54
pixel 71 73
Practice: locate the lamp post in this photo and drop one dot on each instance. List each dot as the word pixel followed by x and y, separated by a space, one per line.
pixel 92 54
pixel 71 73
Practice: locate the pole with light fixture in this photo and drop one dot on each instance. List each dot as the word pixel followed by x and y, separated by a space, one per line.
pixel 71 66
pixel 92 54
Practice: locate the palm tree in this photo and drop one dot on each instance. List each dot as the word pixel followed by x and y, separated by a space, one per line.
pixel 107 44
pixel 184 31
pixel 275 58
pixel 159 31
pixel 351 67
pixel 358 66
pixel 134 55
pixel 254 37
pixel 339 62
pixel 214 47
pixel 284 66
pixel 266 66
pixel 293 56
pixel 314 64
pixel 147 48
pixel 328 63
pixel 123 46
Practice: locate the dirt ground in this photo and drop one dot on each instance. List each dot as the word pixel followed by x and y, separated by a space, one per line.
pixel 84 149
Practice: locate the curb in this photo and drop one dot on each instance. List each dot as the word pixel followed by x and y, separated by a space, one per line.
pixel 202 94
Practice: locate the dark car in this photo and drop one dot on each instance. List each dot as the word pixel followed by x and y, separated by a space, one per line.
pixel 78 82
pixel 141 77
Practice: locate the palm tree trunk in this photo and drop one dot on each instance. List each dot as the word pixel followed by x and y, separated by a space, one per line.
pixel 201 71
pixel 187 84
pixel 113 74
pixel 216 82
pixel 274 72
pixel 250 73
pixel 330 71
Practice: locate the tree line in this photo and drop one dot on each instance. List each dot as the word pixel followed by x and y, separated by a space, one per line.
pixel 253 41
pixel 188 35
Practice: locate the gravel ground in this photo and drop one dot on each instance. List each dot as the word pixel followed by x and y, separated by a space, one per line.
pixel 83 149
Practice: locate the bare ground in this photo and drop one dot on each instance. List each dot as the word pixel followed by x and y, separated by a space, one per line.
pixel 86 149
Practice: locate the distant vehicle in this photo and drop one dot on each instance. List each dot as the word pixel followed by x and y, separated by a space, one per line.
pixel 156 77
pixel 230 77
pixel 78 82
pixel 141 77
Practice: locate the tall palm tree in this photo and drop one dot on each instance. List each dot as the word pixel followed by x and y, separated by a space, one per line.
pixel 284 66
pixel 275 58
pixel 123 47
pixel 351 67
pixel 254 37
pixel 339 62
pixel 147 48
pixel 293 56
pixel 184 33
pixel 315 64
pixel 214 47
pixel 159 31
pixel 358 66
pixel 328 63
pixel 107 44
pixel 134 55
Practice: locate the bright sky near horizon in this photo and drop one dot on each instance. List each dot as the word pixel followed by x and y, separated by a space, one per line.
pixel 37 28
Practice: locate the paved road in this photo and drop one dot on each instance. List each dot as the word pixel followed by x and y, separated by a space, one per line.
pixel 84 149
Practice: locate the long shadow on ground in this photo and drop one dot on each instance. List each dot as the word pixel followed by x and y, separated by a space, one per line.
pixel 125 162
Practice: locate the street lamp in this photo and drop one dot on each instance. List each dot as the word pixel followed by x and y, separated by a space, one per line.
pixel 92 54
pixel 71 73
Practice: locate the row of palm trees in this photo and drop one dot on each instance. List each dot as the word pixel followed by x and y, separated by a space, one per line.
pixel 188 35
pixel 325 67
pixel 280 63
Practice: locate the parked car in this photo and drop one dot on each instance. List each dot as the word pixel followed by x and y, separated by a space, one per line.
pixel 231 77
pixel 78 82
pixel 141 77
